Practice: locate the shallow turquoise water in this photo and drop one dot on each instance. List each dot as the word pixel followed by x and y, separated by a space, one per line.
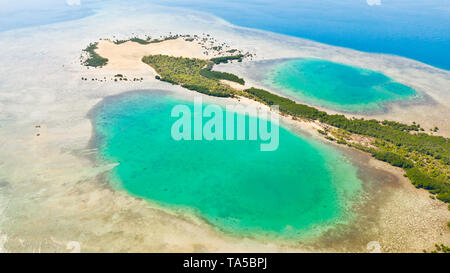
pixel 336 86
pixel 301 188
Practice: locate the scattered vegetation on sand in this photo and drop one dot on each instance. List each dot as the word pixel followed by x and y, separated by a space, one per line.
pixel 93 59
pixel 118 42
pixel 171 37
pixel 148 40
pixel 440 249
pixel 225 59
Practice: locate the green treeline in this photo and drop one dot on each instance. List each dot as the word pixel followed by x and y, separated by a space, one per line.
pixel 118 42
pixel 186 72
pixel 94 59
pixel 172 37
pixel 436 146
pixel 396 133
pixel 393 159
pixel 421 180
pixel 140 41
pixel 168 80
pixel 401 126
pixel 208 73
pixel 204 90
pixel 225 59
pixel 286 105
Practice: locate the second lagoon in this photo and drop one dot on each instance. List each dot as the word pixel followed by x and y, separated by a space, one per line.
pixel 336 86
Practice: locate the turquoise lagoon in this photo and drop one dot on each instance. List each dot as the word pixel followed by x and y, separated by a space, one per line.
pixel 336 86
pixel 301 188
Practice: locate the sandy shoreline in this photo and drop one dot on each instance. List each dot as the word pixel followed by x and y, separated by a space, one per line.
pixel 55 194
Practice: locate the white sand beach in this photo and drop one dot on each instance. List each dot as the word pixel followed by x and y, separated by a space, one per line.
pixel 127 56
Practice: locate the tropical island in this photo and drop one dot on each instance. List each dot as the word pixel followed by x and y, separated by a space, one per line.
pixel 188 61
pixel 91 91
pixel 425 158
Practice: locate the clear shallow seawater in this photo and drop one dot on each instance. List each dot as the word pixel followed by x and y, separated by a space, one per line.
pixel 303 187
pixel 336 86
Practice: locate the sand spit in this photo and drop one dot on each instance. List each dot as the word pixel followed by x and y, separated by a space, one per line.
pixel 55 194
pixel 127 56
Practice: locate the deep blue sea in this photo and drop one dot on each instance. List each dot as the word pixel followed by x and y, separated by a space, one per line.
pixel 416 29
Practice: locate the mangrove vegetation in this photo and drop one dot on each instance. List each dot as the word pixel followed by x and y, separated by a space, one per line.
pixel 217 75
pixel 186 72
pixel 93 59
